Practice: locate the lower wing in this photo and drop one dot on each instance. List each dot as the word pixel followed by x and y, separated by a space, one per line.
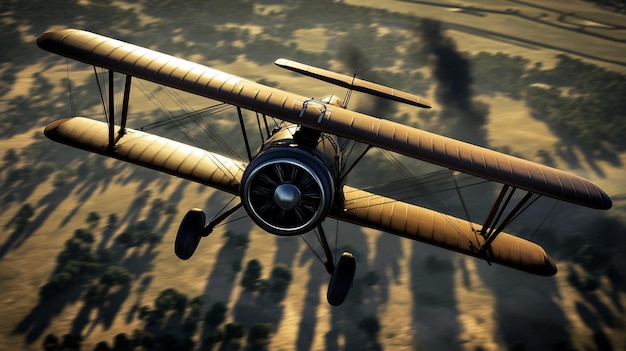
pixel 358 207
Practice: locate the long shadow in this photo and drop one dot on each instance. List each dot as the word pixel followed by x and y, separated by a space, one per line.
pixel 387 265
pixel 51 202
pixel 526 309
pixel 308 320
pixel 228 261
pixel 135 208
pixel 263 307
pixel 37 321
pixel 358 304
pixel 601 340
pixel 435 315
pixel 287 250
pixel 177 195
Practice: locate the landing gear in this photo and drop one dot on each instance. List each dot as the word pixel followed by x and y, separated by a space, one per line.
pixel 192 229
pixel 341 279
pixel 341 274
pixel 189 233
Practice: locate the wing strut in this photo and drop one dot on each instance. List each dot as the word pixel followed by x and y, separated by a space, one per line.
pixel 111 111
pixel 125 105
pixel 243 132
pixel 491 229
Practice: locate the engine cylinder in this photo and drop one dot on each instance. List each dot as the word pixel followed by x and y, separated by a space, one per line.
pixel 287 190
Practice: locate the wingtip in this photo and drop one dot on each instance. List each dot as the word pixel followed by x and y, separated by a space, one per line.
pixel 550 267
pixel 423 103
pixel 50 131
pixel 44 39
pixel 607 203
pixel 48 39
pixel 280 62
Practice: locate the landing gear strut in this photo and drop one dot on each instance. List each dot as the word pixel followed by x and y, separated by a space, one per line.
pixel 341 274
pixel 192 229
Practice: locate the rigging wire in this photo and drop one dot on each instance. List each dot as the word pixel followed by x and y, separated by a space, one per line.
pixel 232 220
pixel 182 127
pixel 319 258
pixel 223 208
pixel 102 97
pixel 204 125
pixel 433 199
pixel 458 190
pixel 543 220
pixel 69 88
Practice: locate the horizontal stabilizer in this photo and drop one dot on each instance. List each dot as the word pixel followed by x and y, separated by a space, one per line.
pixel 355 84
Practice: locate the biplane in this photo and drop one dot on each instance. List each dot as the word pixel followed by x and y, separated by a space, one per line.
pixel 296 178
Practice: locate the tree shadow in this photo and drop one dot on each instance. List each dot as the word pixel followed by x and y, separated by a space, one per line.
pixel 228 262
pixel 40 317
pixel 526 308
pixel 308 320
pixel 387 265
pixel 358 303
pixel 601 340
pixel 435 315
pixel 51 202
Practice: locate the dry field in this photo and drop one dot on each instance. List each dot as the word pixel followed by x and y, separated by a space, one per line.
pixel 468 307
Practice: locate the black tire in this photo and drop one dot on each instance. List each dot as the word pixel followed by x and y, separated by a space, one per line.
pixel 341 279
pixel 189 233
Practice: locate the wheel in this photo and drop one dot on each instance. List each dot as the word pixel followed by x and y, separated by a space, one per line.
pixel 189 233
pixel 341 279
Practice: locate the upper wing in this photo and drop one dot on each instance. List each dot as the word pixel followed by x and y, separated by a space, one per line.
pixel 198 79
pixel 150 151
pixel 421 224
pixel 353 83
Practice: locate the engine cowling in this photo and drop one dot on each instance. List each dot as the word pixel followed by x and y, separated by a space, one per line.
pixel 287 190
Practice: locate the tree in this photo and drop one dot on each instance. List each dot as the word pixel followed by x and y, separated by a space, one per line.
pixel 214 336
pixel 85 236
pixel 252 275
pixel 259 335
pixel 122 342
pixel 116 275
pixel 102 346
pixel 144 339
pixel 280 279
pixel 93 219
pixel 96 294
pixel 22 218
pixel 370 326
pixel 51 343
pixel 11 157
pixel 71 341
pixel 170 299
pixel 234 331
pixel 112 221
pixel 216 314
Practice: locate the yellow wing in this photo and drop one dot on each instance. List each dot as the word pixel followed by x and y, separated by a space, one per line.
pixel 150 151
pixel 359 207
pixel 435 228
pixel 201 80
